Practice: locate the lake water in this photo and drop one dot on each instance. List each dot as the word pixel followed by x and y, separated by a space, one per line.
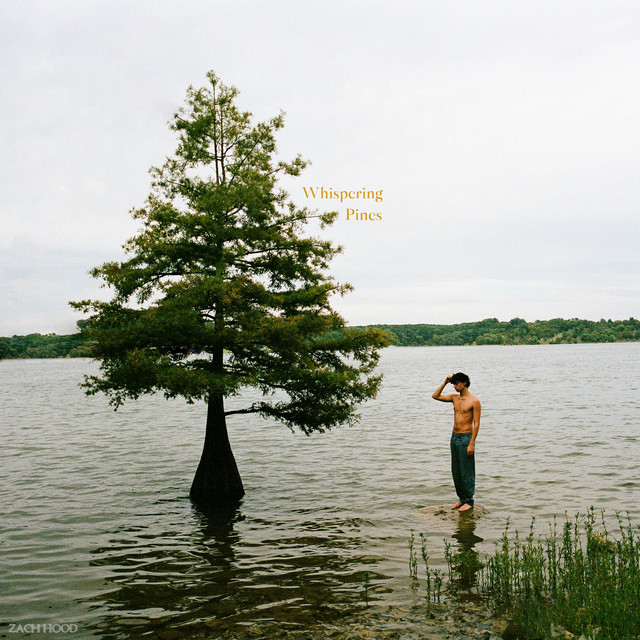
pixel 97 530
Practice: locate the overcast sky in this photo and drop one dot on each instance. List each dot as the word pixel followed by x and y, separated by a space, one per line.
pixel 505 137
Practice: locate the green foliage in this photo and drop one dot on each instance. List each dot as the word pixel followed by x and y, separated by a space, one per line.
pixel 222 289
pixel 490 331
pixel 434 579
pixel 463 565
pixel 583 579
pixel 36 345
pixel 516 331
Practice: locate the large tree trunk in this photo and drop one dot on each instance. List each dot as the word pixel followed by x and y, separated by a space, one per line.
pixel 217 481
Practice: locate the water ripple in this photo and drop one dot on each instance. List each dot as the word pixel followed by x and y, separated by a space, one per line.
pixel 97 528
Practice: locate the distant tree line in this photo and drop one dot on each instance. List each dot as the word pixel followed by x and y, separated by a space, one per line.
pixel 50 345
pixel 489 331
pixel 516 331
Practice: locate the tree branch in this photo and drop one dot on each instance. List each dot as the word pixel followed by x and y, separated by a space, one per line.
pixel 238 411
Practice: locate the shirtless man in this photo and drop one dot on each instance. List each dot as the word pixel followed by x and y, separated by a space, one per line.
pixel 466 422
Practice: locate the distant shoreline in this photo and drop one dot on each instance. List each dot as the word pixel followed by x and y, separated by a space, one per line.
pixel 486 332
pixel 517 331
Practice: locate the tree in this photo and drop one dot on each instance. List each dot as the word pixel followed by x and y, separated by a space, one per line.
pixel 222 290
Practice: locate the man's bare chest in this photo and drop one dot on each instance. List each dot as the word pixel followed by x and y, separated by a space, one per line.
pixel 462 406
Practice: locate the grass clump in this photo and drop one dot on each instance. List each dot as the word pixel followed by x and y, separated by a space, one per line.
pixel 434 578
pixel 463 565
pixel 581 578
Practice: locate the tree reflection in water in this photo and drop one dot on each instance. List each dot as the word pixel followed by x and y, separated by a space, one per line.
pixel 221 571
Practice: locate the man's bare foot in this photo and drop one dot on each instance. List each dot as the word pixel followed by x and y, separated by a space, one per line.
pixel 456 505
pixel 465 507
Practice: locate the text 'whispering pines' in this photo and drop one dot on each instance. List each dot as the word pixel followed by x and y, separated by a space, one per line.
pixel 347 195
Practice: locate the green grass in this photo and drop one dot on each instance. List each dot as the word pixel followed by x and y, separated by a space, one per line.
pixel 582 579
pixel 434 579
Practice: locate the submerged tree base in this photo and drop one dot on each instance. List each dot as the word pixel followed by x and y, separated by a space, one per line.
pixel 214 486
pixel 217 480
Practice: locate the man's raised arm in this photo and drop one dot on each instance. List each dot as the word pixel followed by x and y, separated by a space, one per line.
pixel 437 394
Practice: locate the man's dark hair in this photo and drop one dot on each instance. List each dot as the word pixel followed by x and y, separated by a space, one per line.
pixel 461 377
